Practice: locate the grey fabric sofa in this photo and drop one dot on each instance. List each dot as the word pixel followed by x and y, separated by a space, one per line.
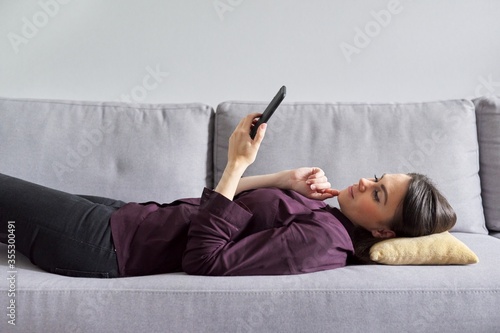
pixel 137 152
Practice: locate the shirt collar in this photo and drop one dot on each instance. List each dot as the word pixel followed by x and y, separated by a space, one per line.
pixel 348 225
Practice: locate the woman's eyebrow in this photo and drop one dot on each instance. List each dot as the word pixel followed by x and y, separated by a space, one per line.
pixel 384 189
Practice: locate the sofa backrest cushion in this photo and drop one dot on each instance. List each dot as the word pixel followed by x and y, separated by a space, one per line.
pixel 132 152
pixel 350 141
pixel 488 129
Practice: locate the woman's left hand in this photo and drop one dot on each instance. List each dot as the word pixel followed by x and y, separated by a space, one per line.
pixel 311 182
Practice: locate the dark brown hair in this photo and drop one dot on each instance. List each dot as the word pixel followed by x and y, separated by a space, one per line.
pixel 423 211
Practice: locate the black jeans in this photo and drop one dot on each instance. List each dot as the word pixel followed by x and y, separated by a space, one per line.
pixel 59 232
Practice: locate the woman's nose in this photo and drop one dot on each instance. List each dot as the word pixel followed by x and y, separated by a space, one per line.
pixel 362 184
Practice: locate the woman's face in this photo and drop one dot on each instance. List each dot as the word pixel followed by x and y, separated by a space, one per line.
pixel 372 203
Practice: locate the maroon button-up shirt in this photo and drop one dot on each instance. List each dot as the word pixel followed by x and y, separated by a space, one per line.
pixel 262 232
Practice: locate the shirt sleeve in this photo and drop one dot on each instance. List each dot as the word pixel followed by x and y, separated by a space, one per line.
pixel 295 248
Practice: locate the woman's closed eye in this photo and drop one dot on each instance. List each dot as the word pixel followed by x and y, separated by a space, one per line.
pixel 375 191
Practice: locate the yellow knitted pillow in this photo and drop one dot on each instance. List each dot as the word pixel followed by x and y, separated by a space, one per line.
pixel 436 249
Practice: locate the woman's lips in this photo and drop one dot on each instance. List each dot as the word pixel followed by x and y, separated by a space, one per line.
pixel 351 191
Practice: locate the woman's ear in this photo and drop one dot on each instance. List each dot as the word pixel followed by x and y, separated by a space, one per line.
pixel 383 233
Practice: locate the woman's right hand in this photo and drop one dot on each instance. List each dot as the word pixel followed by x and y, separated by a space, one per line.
pixel 242 152
pixel 311 182
pixel 242 149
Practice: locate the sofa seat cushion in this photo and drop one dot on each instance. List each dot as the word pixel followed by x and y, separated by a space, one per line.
pixel 132 152
pixel 445 298
pixel 350 141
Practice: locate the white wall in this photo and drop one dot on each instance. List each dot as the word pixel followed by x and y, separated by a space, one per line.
pixel 245 50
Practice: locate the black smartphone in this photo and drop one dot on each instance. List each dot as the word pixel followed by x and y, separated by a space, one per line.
pixel 269 110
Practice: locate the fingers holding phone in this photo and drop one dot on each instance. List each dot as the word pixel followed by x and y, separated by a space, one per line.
pixel 243 149
pixel 244 144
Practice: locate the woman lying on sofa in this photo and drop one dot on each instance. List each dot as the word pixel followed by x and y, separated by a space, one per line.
pixel 270 224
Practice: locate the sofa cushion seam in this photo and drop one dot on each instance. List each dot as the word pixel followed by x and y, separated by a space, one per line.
pixel 211 292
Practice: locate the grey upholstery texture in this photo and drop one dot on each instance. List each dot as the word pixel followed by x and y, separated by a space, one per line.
pixel 350 141
pixel 123 151
pixel 351 299
pixel 488 124
pixel 162 152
